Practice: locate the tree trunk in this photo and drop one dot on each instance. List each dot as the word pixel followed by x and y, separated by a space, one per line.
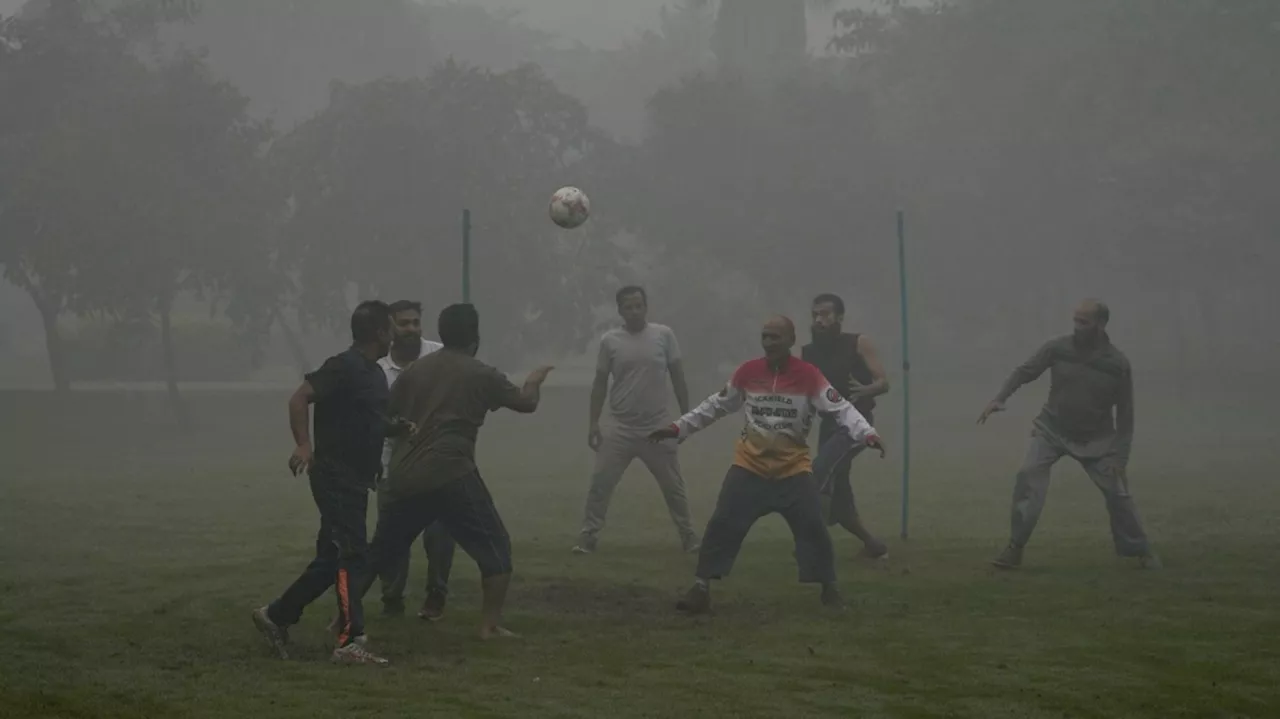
pixel 53 344
pixel 293 341
pixel 170 365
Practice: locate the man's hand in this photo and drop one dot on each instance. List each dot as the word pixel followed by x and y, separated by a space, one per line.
pixel 300 460
pixel 856 390
pixel 992 407
pixel 874 442
pixel 594 438
pixel 664 434
pixel 401 427
pixel 538 376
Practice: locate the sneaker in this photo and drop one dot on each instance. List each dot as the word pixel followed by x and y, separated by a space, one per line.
pixel 1010 558
pixel 393 607
pixel 277 636
pixel 695 601
pixel 432 608
pixel 692 546
pixel 831 597
pixel 875 549
pixel 585 545
pixel 357 652
pixel 1150 561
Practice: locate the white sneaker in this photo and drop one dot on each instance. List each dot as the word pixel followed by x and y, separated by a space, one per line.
pixel 357 652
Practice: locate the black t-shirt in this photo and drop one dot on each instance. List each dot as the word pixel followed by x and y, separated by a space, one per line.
pixel 350 417
pixel 839 360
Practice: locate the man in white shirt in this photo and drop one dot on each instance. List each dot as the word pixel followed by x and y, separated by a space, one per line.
pixel 639 357
pixel 408 345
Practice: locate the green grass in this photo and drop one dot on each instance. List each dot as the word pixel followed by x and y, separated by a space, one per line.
pixel 132 557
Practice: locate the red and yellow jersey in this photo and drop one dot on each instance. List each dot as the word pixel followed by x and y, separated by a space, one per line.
pixel 780 407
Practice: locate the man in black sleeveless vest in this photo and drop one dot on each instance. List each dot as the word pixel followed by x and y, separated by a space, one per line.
pixel 850 363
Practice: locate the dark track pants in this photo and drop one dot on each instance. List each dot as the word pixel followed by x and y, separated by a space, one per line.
pixel 340 553
pixel 746 497
pixel 466 510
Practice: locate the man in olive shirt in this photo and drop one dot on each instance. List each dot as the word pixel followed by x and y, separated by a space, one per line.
pixel 1089 377
pixel 433 474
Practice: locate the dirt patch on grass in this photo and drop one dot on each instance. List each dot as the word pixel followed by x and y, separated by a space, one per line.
pixel 575 597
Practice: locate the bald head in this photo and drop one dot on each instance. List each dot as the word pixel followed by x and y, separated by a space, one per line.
pixel 1090 322
pixel 777 337
pixel 1098 309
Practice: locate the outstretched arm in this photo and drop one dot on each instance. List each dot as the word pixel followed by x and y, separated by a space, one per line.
pixel 1026 372
pixel 828 401
pixel 721 404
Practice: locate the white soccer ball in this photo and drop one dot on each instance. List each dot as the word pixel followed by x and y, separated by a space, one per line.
pixel 569 207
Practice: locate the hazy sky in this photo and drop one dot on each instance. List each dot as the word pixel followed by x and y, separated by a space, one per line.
pixel 608 23
pixel 599 23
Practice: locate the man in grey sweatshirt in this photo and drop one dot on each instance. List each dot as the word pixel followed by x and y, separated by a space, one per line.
pixel 1088 378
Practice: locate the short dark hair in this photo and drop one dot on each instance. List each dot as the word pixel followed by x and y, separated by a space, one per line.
pixel 630 290
pixel 835 301
pixel 404 306
pixel 369 318
pixel 459 326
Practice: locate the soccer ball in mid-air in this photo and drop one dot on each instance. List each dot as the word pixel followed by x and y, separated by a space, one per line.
pixel 569 207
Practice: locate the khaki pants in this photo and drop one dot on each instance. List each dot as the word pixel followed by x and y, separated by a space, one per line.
pixel 612 459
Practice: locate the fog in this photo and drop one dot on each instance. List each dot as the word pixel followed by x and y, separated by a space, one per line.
pixel 183 218
pixel 195 194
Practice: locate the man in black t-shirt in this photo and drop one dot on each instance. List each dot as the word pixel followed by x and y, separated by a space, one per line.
pixel 850 363
pixel 350 394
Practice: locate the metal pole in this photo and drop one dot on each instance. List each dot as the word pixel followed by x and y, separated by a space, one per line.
pixel 466 256
pixel 906 374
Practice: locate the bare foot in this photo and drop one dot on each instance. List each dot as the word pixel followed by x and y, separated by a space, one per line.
pixel 496 632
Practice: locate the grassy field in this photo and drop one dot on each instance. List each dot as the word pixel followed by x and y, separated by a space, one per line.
pixel 132 556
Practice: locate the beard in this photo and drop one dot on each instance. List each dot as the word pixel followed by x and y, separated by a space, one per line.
pixel 407 342
pixel 824 334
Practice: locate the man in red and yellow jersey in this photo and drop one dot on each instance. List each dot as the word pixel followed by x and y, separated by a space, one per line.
pixel 771 471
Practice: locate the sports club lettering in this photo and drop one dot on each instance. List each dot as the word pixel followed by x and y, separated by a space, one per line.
pixel 771 411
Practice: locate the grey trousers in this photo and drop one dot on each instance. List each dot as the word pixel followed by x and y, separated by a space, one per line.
pixel 1107 473
pixel 746 497
pixel 440 549
pixel 612 459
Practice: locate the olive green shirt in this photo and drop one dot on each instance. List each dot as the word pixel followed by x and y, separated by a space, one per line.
pixel 447 394
pixel 1086 384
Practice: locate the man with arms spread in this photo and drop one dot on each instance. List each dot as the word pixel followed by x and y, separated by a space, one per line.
pixel 771 467
pixel 433 473
pixel 1088 377
pixel 407 346
pixel 639 356
pixel 851 364
pixel 350 395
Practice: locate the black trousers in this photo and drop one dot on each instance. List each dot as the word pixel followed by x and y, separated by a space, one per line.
pixel 832 469
pixel 746 497
pixel 466 510
pixel 343 502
